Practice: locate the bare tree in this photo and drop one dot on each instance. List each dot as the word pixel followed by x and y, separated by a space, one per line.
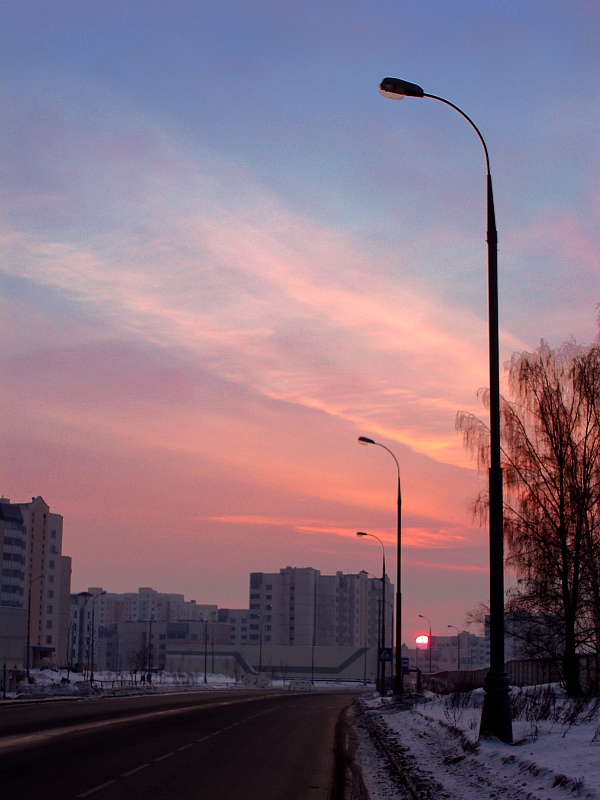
pixel 551 463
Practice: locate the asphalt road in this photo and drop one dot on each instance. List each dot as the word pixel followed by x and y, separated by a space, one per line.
pixel 213 746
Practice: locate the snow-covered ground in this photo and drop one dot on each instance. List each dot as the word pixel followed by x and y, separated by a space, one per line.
pixel 555 755
pixel 60 683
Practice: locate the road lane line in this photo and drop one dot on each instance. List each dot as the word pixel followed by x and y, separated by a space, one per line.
pixel 96 789
pixel 23 740
pixel 133 771
pixel 162 758
pixel 168 755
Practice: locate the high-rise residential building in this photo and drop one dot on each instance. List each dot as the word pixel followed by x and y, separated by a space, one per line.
pixel 299 606
pixel 36 578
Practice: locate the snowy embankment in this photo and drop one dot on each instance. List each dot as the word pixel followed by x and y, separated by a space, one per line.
pixel 59 683
pixel 555 755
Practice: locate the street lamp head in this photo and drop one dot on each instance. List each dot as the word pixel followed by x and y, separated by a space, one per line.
pixel 396 89
pixel 362 533
pixel 365 440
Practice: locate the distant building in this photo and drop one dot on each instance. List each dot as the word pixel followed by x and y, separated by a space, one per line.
pixel 36 581
pixel 106 609
pixel 238 621
pixel 144 646
pixel 299 606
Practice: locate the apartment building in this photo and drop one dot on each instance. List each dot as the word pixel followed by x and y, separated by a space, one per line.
pixel 102 610
pixel 238 620
pixel 36 580
pixel 299 606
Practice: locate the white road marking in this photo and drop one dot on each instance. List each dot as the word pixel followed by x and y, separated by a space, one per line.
pixel 96 789
pixel 162 758
pixel 133 771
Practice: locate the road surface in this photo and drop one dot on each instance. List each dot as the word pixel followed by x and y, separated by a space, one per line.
pixel 206 746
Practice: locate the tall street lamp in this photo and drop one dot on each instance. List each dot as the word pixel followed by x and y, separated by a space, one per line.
pixel 28 653
pixel 457 646
pixel 429 642
pixel 382 674
pixel 495 715
pixel 398 678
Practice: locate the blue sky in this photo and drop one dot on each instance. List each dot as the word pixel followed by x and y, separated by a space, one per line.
pixel 226 256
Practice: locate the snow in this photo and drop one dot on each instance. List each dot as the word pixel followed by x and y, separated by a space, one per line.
pixel 555 755
pixel 60 683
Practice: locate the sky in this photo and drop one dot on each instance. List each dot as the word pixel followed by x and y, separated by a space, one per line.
pixel 225 257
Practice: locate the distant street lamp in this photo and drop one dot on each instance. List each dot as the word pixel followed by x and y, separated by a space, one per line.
pixel 28 653
pixel 260 634
pixel 94 598
pixel 205 649
pixel 150 647
pixel 457 645
pixel 496 714
pixel 429 645
pixel 398 677
pixel 381 687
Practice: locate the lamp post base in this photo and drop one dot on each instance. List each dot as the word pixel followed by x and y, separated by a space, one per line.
pixel 496 718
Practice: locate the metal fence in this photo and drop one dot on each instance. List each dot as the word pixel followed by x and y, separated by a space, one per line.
pixel 527 672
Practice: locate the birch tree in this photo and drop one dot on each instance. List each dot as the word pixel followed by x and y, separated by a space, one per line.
pixel 551 464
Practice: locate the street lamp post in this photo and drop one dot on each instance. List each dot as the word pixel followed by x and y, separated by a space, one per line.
pixel 28 653
pixel 260 632
pixel 94 598
pixel 398 677
pixel 429 642
pixel 382 674
pixel 150 647
pixel 457 646
pixel 496 714
pixel 205 650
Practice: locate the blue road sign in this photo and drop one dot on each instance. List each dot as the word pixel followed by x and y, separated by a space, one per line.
pixel 385 653
pixel 404 663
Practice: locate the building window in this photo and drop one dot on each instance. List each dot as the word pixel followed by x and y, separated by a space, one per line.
pixel 50 610
pixel 50 594
pixel 48 640
pixel 268 597
pixel 48 624
pixel 268 587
